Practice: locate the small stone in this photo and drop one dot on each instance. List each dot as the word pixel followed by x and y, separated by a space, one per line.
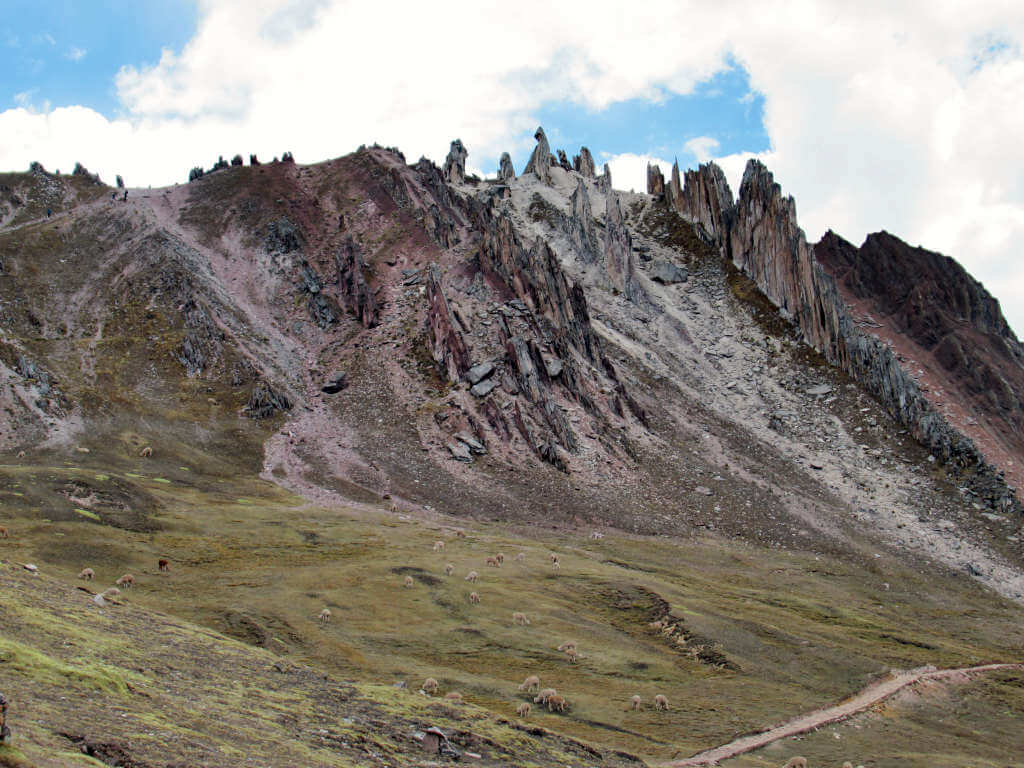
pixel 705 491
pixel 821 389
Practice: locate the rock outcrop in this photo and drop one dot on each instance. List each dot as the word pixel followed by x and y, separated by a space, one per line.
pixel 655 182
pixel 960 340
pixel 540 161
pixel 563 161
pixel 760 235
pixel 580 225
pixel 449 350
pixel 583 164
pixel 353 286
pixel 618 252
pixel 706 199
pixel 455 163
pixel 604 181
pixel 506 171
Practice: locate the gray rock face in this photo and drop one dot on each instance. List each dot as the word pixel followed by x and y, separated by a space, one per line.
pixel 540 160
pixel 655 181
pixel 604 181
pixel 563 160
pixel 666 272
pixel 580 225
pixel 583 164
pixel 706 199
pixel 455 163
pixel 618 251
pixel 506 171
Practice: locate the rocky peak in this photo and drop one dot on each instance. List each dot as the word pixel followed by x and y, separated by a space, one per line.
pixel 540 161
pixel 455 163
pixel 604 181
pixel 506 171
pixel 583 164
pixel 563 161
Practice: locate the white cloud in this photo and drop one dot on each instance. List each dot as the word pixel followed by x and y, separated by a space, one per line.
pixel 75 53
pixel 629 171
pixel 880 114
pixel 702 147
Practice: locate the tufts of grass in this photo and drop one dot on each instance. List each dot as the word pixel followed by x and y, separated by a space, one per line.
pixel 21 659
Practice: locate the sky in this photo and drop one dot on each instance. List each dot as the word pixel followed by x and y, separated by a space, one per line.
pixel 902 116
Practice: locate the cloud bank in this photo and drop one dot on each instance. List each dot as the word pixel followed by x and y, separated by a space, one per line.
pixel 903 116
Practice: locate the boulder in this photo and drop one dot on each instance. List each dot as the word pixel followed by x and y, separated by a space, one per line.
pixel 666 272
pixel 460 451
pixel 335 383
pixel 483 388
pixel 480 371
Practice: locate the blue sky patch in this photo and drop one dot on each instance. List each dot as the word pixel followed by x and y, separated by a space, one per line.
pixel 65 52
pixel 723 107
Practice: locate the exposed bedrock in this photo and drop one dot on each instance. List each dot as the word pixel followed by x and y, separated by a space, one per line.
pixel 760 234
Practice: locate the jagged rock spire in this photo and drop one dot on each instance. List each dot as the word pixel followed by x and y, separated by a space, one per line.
pixel 674 190
pixel 506 171
pixel 706 199
pixel 455 163
pixel 655 181
pixel 604 181
pixel 580 225
pixel 583 164
pixel 618 250
pixel 540 160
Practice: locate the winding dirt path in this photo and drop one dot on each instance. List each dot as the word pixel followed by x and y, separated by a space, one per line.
pixel 865 699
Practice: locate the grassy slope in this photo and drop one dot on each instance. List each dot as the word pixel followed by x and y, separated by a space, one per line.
pixel 251 561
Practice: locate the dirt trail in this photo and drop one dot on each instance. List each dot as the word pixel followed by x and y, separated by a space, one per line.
pixel 865 699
